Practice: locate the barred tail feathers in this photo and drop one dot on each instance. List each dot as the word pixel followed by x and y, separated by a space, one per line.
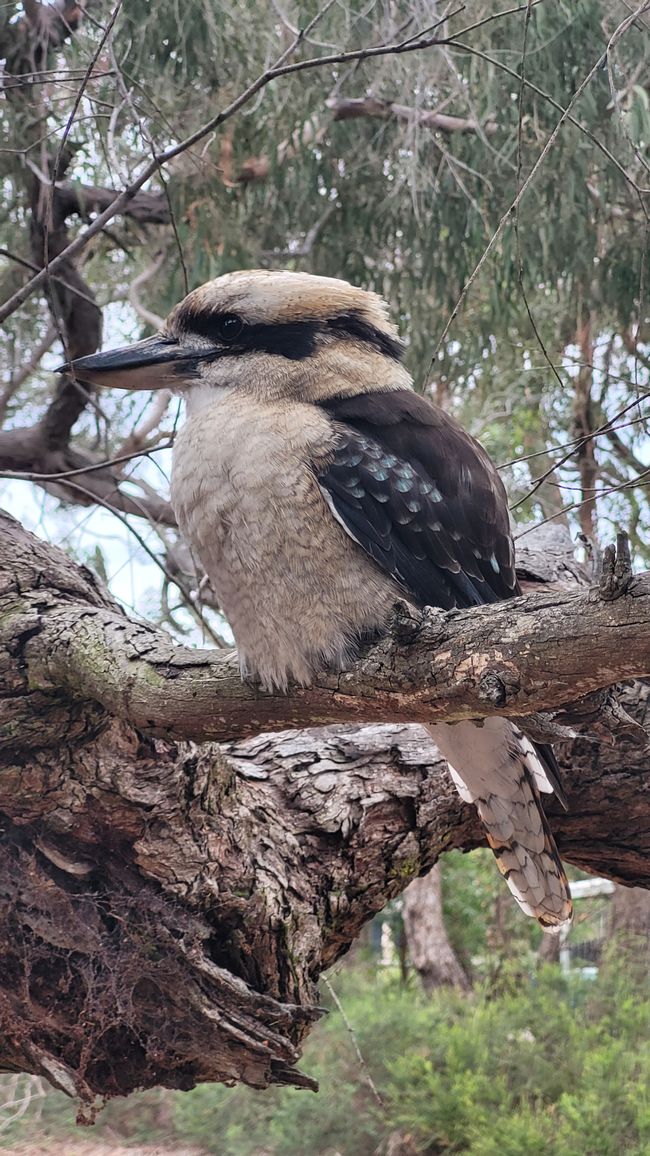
pixel 495 766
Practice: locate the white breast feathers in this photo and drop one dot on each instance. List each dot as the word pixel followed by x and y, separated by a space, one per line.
pixel 294 587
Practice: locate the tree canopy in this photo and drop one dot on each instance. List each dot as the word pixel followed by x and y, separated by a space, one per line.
pixel 396 171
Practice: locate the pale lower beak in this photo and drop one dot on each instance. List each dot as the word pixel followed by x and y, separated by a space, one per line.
pixel 155 363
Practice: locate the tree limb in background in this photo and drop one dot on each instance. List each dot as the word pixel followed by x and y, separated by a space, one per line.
pixel 43 448
pixel 312 131
pixel 283 67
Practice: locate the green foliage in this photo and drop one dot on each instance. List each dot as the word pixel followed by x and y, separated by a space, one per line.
pixel 543 1069
pixel 554 1066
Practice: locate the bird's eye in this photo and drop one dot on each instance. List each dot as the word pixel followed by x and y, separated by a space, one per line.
pixel 229 327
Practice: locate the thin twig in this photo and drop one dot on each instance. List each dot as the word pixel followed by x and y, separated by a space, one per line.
pixel 601 432
pixel 577 445
pixel 630 484
pixel 47 215
pixel 61 475
pixel 19 378
pixel 61 280
pixel 189 605
pixel 152 319
pixel 150 169
pixel 496 63
pixel 520 263
pixel 137 439
pixel 366 1071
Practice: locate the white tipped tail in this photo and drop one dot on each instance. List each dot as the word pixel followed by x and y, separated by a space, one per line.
pixel 497 768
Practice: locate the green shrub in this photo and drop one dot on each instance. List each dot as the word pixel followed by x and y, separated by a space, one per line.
pixel 547 1066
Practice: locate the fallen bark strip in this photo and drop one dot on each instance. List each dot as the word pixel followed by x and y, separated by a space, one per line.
pixel 536 653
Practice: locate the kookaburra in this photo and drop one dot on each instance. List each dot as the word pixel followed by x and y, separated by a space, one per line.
pixel 317 489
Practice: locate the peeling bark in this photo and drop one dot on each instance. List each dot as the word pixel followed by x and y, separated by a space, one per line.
pixel 166 909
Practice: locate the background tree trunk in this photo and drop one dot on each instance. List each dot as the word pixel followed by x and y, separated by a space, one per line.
pixel 628 944
pixel 432 955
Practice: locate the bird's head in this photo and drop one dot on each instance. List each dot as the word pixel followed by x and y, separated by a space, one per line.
pixel 277 335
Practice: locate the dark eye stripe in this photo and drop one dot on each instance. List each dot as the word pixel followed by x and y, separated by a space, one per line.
pixel 295 340
pixel 352 325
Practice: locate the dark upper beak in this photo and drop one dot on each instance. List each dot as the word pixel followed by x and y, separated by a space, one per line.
pixel 154 363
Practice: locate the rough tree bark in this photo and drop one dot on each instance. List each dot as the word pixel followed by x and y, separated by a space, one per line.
pixel 167 908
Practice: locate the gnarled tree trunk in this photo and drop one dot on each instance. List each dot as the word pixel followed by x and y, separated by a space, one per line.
pixel 166 908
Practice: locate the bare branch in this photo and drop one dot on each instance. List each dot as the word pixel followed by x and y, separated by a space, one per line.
pixel 312 131
pixel 152 319
pixel 620 31
pixel 74 475
pixel 136 441
pixel 353 108
pixel 537 653
pixel 263 80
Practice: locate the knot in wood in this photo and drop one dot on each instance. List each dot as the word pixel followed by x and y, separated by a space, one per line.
pixel 492 688
pixel 405 623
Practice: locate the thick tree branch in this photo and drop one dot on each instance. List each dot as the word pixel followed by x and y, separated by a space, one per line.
pixel 24 454
pixel 147 208
pixel 53 201
pixel 166 908
pixel 41 28
pixel 537 653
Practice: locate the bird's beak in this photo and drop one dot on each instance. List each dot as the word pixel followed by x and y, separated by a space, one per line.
pixel 154 363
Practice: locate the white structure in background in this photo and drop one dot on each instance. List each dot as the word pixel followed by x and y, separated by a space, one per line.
pixel 580 889
pixel 388 950
pixel 583 889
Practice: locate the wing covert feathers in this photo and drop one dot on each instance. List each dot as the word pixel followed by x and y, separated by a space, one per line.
pixel 424 501
pixel 502 774
pixel 421 497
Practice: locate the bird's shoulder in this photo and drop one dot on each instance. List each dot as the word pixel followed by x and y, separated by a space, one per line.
pixel 414 428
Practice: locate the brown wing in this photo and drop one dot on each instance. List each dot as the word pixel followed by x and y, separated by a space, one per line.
pixel 421 497
pixel 426 503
